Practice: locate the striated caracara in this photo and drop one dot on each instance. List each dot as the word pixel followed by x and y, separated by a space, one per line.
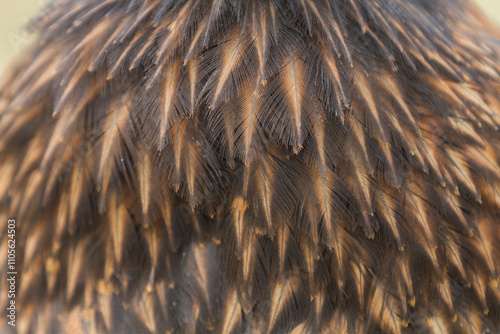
pixel 257 166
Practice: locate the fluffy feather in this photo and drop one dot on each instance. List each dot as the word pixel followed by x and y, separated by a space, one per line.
pixel 255 166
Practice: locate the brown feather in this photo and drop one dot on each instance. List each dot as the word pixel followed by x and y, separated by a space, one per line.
pixel 311 166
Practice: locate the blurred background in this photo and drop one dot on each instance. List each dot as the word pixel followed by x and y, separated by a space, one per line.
pixel 17 13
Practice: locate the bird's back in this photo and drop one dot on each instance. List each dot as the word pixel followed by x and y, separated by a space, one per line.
pixel 313 166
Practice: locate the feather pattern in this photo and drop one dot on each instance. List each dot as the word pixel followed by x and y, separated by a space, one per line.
pixel 255 166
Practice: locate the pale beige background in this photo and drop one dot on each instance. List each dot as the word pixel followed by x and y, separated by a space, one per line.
pixel 14 14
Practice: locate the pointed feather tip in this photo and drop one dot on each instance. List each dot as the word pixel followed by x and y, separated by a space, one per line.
pixel 369 232
pixel 297 148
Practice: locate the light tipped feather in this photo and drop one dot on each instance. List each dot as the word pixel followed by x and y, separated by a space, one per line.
pixel 255 166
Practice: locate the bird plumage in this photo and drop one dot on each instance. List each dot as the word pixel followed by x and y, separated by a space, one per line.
pixel 259 166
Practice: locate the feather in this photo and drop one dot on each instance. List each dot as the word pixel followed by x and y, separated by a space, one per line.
pixel 118 64
pixel 140 55
pixel 231 56
pixel 115 125
pixel 171 83
pixel 202 278
pixel 76 191
pixel 419 208
pixel 74 77
pixel 66 122
pixel 485 245
pixel 455 257
pixel 232 314
pixel 332 67
pixel 120 226
pixel 75 268
pixel 144 171
pixel 195 41
pixel 283 303
pixel 106 47
pixel 214 13
pixel 261 38
pixel 283 238
pixel 359 17
pixel 388 210
pixel 248 133
pixel 324 186
pixel 380 137
pixel 294 84
pixel 238 209
pixel 255 166
pixel 260 177
pixel 193 74
pixel 153 237
pixel 383 309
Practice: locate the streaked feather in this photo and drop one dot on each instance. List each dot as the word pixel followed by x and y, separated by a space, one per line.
pixel 294 84
pixel 172 73
pixel 260 166
pixel 115 125
pixel 233 314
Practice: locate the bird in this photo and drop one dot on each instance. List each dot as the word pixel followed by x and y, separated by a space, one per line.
pixel 257 166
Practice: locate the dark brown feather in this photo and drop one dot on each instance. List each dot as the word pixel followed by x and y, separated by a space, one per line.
pixel 281 166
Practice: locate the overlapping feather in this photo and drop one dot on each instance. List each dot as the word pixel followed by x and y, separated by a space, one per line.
pixel 275 166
